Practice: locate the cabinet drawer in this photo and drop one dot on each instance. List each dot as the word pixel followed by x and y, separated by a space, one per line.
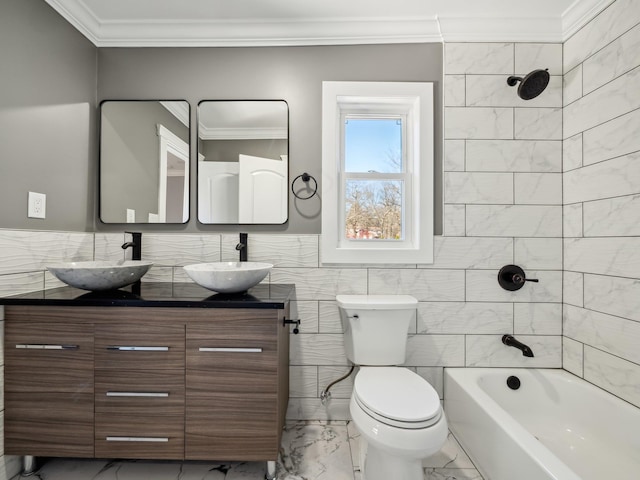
pixel 231 359
pixel 49 424
pixel 155 436
pixel 143 346
pixel 231 427
pixel 48 357
pixel 140 391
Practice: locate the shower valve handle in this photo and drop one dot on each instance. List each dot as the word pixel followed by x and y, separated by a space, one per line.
pixel 512 277
pixel 520 279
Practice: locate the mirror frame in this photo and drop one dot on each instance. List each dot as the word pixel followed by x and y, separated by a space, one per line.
pixel 167 143
pixel 198 154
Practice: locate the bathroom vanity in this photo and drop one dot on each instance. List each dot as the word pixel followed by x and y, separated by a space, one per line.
pixel 172 372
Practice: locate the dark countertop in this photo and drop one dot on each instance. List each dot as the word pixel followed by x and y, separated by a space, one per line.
pixel 151 294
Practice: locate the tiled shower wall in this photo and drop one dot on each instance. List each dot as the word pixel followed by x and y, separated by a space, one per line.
pixel 602 201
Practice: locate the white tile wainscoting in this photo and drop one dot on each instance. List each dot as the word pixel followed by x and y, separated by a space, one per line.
pixel 462 312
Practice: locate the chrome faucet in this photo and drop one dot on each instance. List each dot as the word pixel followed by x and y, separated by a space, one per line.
pixel 136 245
pixel 243 247
pixel 510 341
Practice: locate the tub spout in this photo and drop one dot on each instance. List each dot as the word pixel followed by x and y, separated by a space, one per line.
pixel 510 341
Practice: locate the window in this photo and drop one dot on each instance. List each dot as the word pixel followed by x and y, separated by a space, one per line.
pixel 377 172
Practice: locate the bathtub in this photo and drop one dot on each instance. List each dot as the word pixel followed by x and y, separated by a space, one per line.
pixel 556 426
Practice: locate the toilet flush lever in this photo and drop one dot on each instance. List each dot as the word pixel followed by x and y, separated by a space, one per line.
pixel 296 330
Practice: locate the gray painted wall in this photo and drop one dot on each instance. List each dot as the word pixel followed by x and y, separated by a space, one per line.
pixel 47 118
pixel 294 74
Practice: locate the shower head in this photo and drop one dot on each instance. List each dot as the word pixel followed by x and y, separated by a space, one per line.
pixel 532 84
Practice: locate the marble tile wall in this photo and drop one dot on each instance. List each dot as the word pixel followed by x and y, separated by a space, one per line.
pixel 461 317
pixel 601 183
pixel 502 188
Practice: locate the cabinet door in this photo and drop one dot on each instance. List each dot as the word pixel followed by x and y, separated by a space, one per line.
pixel 231 388
pixel 48 389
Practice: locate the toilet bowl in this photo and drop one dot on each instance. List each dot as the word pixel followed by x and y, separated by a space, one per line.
pixel 399 416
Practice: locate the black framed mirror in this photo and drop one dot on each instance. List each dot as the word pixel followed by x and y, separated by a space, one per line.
pixel 144 161
pixel 243 161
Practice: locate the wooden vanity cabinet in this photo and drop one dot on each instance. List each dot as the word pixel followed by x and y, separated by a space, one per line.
pixel 146 383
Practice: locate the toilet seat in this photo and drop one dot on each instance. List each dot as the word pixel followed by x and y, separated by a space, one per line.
pixel 397 397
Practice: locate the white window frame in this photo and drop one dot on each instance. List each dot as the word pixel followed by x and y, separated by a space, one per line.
pixel 413 101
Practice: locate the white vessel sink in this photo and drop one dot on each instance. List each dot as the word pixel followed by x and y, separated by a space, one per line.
pixel 95 275
pixel 228 277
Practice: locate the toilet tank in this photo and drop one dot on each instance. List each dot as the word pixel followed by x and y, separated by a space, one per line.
pixel 376 326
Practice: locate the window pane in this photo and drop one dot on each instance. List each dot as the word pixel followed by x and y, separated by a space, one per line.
pixel 373 144
pixel 374 210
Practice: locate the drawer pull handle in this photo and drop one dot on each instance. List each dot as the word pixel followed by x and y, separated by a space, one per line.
pixel 138 394
pixel 137 439
pixel 38 346
pixel 231 349
pixel 132 348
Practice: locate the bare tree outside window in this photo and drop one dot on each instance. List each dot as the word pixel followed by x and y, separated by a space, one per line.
pixel 374 210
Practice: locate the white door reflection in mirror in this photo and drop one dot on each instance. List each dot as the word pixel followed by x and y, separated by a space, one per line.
pixel 173 190
pixel 243 162
pixel 217 182
pixel 263 189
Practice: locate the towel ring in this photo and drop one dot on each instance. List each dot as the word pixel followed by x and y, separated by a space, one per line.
pixel 305 178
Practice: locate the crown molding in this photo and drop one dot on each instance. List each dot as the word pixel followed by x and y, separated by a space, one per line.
pixel 246 133
pixel 500 29
pixel 250 33
pixel 179 109
pixel 80 17
pixel 267 33
pixel 579 13
pixel 334 31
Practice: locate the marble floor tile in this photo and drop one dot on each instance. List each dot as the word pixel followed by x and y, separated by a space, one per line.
pixel 451 456
pixel 310 451
pixel 451 474
pixel 316 451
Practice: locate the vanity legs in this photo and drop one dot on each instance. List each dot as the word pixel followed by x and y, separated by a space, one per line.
pixel 28 465
pixel 271 471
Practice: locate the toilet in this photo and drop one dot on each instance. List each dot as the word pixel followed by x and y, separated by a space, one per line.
pixel 397 412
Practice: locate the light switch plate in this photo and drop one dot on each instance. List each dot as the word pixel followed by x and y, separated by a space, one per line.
pixel 37 205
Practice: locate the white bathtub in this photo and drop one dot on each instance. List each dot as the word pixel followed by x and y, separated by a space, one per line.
pixel 555 426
